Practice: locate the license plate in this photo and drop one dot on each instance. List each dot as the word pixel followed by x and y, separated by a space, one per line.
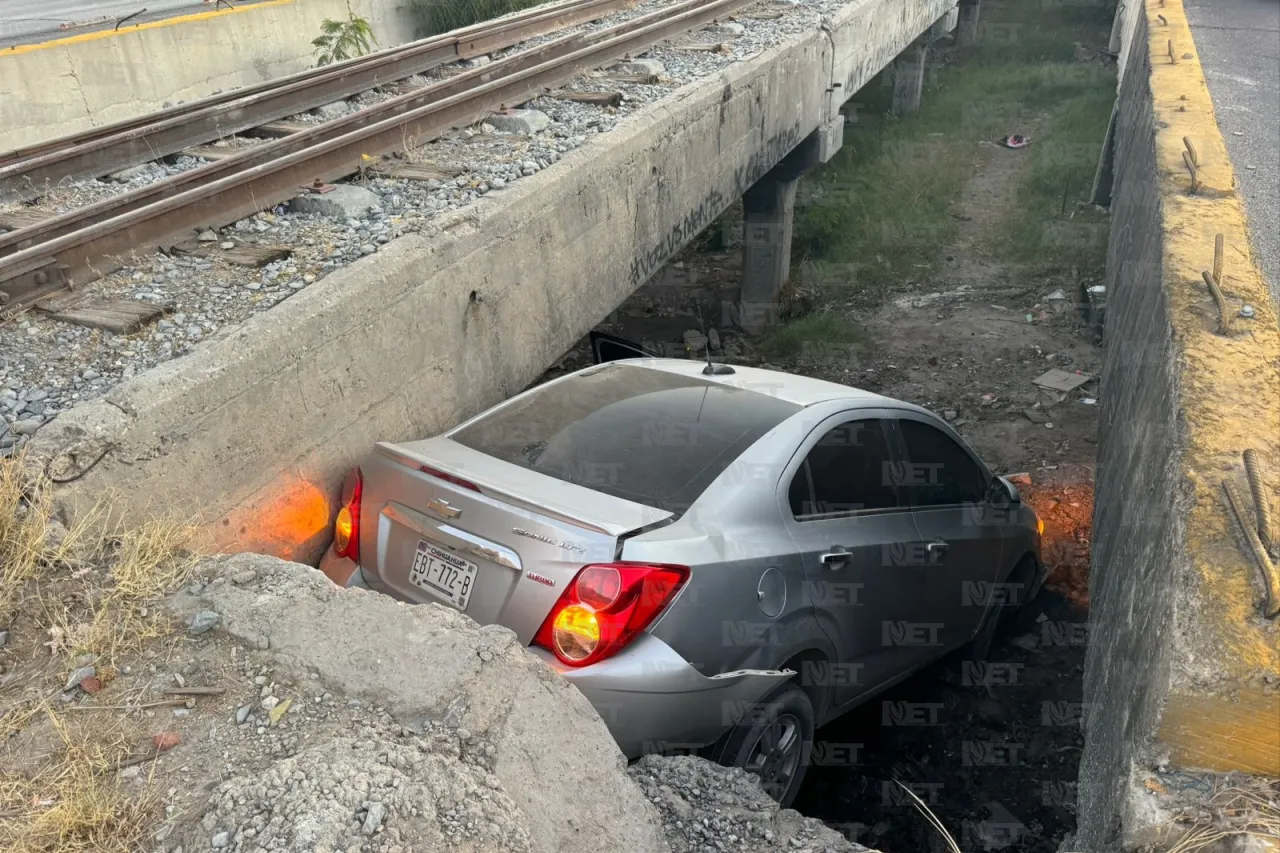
pixel 443 574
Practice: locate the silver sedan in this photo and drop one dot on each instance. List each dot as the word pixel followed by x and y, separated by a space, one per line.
pixel 720 558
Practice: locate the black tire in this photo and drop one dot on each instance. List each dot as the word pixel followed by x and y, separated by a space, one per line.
pixel 999 618
pixel 785 716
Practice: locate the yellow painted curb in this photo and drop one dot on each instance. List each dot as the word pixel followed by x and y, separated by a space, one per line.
pixel 133 28
pixel 1224 713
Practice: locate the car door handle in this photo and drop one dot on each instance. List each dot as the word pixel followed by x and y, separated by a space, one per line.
pixel 937 548
pixel 837 556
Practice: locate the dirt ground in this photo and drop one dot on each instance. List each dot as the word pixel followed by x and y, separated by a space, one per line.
pixel 998 765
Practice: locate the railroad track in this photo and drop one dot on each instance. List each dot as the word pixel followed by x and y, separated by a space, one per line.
pixel 27 173
pixel 66 251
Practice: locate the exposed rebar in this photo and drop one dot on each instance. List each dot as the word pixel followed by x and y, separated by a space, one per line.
pixel 1261 503
pixel 1270 577
pixel 1224 319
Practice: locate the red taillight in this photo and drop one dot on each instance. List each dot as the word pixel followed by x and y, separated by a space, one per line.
pixel 346 530
pixel 604 608
pixel 448 478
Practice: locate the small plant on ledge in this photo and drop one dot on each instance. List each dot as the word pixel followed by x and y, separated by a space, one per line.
pixel 342 40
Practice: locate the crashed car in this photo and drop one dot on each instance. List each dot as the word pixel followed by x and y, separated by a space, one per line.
pixel 720 558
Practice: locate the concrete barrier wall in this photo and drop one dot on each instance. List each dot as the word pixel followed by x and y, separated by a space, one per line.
pixel 257 427
pixel 1183 670
pixel 61 87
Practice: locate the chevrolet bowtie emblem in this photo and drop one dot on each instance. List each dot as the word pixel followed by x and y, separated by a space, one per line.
pixel 443 508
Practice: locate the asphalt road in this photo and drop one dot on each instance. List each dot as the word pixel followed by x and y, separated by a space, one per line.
pixel 27 21
pixel 1239 45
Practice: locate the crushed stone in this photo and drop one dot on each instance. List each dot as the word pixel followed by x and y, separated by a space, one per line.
pixel 707 807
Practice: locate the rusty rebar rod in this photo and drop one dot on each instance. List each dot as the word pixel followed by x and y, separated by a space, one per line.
pixel 1261 503
pixel 1224 318
pixel 1270 577
pixel 1195 173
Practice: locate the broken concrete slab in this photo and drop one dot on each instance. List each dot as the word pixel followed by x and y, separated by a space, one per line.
pixel 520 121
pixel 343 202
pixel 1061 380
pixel 553 765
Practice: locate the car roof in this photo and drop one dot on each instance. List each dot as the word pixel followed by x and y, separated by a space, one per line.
pixel 800 390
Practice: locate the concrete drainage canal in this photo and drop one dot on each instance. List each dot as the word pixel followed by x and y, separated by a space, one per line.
pixel 933 266
pixel 991 747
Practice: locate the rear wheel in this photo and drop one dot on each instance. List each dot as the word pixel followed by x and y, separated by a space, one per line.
pixel 999 618
pixel 775 742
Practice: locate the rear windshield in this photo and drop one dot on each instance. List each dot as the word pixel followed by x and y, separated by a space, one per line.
pixel 648 436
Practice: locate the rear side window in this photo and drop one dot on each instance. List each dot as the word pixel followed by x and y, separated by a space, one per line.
pixel 648 436
pixel 942 472
pixel 850 469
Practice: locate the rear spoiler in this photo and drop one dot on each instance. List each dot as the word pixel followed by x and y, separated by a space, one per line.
pixel 532 491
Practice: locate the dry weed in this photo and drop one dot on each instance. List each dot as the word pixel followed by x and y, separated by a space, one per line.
pixel 24 533
pixel 1250 810
pixel 94 589
pixel 30 538
pixel 77 803
pixel 107 583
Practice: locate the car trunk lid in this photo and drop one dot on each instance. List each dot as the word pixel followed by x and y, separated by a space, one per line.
pixel 501 552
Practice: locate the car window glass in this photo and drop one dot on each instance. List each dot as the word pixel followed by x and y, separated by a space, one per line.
pixel 850 468
pixel 650 436
pixel 939 468
pixel 799 495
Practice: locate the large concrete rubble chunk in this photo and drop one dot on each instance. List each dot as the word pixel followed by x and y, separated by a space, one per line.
pixel 527 122
pixel 343 202
pixel 552 776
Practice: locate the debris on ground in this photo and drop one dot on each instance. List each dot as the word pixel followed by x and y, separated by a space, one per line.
pixel 742 818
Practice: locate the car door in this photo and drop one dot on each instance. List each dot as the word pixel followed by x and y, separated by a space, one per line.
pixel 851 527
pixel 961 531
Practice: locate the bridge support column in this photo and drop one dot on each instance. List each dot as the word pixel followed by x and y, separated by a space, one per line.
pixel 768 218
pixel 967 27
pixel 908 78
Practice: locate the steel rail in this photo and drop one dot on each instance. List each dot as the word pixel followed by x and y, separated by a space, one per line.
pixel 172 131
pixel 234 196
pixel 107 208
pixel 471 37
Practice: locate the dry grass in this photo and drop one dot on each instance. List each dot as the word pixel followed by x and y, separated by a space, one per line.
pixel 1251 810
pixel 77 803
pixel 94 589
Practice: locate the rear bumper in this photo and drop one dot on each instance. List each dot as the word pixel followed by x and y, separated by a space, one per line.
pixel 341 570
pixel 653 700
